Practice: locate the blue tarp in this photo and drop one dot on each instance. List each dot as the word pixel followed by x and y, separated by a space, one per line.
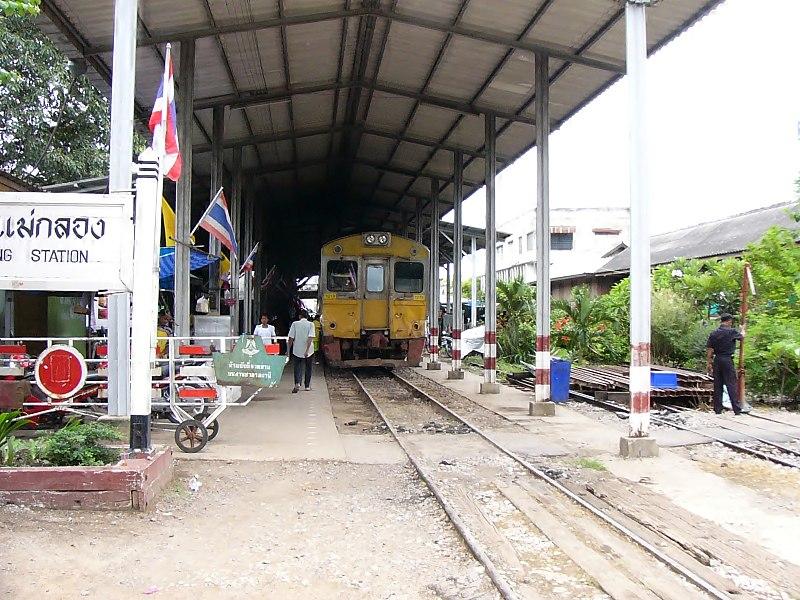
pixel 166 267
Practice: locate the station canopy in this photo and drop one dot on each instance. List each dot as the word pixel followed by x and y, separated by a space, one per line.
pixel 347 110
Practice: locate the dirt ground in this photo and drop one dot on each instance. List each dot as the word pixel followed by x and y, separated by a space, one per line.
pixel 254 529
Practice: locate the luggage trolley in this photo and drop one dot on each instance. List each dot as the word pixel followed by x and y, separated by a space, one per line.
pixel 185 388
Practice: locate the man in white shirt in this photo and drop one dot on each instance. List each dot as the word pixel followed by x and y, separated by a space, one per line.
pixel 265 331
pixel 301 347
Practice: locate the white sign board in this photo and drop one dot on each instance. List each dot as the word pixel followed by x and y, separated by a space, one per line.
pixel 66 242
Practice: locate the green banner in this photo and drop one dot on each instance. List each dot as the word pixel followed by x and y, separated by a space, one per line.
pixel 249 364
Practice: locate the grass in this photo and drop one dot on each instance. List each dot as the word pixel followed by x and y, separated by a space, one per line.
pixel 590 463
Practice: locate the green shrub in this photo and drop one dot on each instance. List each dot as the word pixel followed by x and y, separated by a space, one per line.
pixel 9 423
pixel 81 444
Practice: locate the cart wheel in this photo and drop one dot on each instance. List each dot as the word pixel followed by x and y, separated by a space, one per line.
pixel 191 436
pixel 213 429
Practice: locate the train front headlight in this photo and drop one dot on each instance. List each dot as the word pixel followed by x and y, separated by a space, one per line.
pixel 383 239
pixel 377 239
pixel 370 239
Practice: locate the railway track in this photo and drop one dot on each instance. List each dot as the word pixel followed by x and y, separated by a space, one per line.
pixel 782 459
pixel 508 509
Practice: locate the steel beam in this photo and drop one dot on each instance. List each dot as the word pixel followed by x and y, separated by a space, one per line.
pixel 484 35
pixel 288 84
pixel 120 180
pixel 236 101
pixel 542 229
pixel 418 221
pixel 489 385
pixel 183 194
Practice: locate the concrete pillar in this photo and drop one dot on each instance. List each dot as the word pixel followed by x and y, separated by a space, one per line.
pixel 236 217
pixel 458 251
pixel 183 195
pixel 490 385
pixel 123 85
pixel 433 309
pixel 542 405
pixel 217 169
pixel 638 443
pixel 247 235
pixel 473 294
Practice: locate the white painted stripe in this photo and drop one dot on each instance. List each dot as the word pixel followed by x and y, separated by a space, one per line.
pixel 640 379
pixel 542 393
pixel 542 360
pixel 638 424
pixel 489 376
pixel 490 350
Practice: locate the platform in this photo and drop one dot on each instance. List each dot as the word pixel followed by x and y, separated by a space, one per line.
pixel 278 425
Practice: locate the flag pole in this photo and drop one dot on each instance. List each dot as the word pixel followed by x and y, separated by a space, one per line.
pixel 208 210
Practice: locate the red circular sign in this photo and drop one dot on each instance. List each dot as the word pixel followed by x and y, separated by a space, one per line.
pixel 60 371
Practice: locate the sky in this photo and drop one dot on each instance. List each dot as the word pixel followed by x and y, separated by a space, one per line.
pixel 724 128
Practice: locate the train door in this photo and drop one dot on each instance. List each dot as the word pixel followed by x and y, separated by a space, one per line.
pixel 375 308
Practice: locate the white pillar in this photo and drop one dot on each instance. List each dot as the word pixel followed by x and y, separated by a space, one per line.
pixel 473 294
pixel 489 385
pixel 123 84
pixel 542 89
pixel 183 193
pixel 236 217
pixel 636 60
pixel 145 296
pixel 217 172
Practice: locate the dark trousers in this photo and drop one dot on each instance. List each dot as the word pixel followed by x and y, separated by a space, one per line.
pixel 298 369
pixel 725 374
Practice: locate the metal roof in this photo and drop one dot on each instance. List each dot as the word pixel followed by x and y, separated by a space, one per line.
pixel 727 236
pixel 363 101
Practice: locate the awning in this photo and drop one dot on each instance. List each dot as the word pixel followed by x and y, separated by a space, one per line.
pixel 166 267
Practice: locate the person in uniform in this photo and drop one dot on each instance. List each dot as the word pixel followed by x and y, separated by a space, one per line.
pixel 719 363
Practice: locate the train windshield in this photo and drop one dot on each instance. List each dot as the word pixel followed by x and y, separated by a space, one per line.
pixel 374 278
pixel 342 276
pixel 408 277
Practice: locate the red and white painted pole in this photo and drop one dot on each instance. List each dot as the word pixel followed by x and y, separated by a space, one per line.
pixel 638 443
pixel 489 385
pixel 433 311
pixel 542 406
pixel 458 251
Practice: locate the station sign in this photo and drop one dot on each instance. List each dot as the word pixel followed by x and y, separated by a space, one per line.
pixel 60 372
pixel 66 242
pixel 248 364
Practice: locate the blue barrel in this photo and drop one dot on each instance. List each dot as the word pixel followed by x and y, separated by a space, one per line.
pixel 559 379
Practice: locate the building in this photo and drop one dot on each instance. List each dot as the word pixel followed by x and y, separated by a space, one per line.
pixel 723 238
pixel 581 240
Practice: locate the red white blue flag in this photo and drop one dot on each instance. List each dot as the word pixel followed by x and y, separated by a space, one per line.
pixel 217 222
pixel 164 123
pixel 247 265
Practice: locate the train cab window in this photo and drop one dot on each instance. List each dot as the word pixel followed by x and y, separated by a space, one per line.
pixel 374 278
pixel 342 276
pixel 408 277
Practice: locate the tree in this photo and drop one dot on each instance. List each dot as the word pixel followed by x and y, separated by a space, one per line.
pixel 466 290
pixel 55 125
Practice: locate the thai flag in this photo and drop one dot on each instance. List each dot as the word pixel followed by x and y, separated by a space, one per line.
pixel 217 222
pixel 247 265
pixel 164 123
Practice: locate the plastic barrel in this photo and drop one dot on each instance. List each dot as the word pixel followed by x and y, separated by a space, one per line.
pixel 559 379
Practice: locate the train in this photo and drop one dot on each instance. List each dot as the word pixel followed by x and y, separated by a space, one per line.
pixel 373 294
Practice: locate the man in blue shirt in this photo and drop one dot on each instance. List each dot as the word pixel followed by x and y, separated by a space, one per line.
pixel 719 362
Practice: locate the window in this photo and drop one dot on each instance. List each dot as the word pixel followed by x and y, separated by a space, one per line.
pixel 342 276
pixel 408 277
pixel 531 242
pixel 520 244
pixel 561 241
pixel 374 278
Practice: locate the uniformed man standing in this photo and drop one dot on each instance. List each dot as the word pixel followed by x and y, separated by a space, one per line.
pixel 719 362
